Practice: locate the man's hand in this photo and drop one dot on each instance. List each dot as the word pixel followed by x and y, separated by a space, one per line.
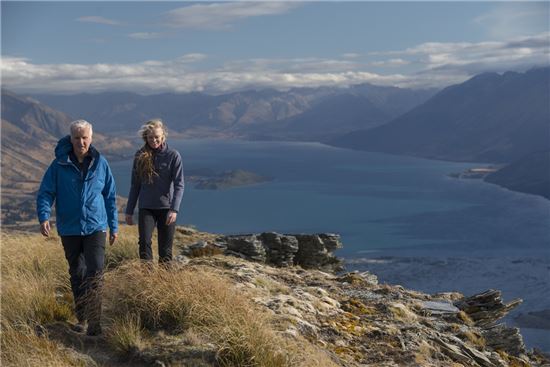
pixel 171 217
pixel 112 238
pixel 45 228
pixel 129 219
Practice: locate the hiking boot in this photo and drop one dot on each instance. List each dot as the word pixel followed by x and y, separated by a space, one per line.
pixel 94 330
pixel 79 327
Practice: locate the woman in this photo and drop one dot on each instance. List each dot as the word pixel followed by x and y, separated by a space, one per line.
pixel 157 180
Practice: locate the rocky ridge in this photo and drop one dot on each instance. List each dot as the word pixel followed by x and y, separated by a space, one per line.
pixel 361 322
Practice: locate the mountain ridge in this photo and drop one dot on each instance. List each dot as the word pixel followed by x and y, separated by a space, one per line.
pixel 489 118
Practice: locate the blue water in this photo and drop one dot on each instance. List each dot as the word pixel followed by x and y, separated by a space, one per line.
pixel 405 210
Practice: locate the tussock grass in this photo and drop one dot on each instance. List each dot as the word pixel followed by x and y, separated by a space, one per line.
pixel 35 284
pixel 198 299
pixel 22 347
pixel 191 303
pixel 35 290
pixel 126 335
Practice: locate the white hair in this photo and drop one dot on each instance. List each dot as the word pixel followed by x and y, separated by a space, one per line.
pixel 80 124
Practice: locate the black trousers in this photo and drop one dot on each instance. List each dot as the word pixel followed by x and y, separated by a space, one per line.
pixel 148 219
pixel 86 257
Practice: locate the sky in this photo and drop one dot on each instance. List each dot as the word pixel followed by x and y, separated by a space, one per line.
pixel 219 47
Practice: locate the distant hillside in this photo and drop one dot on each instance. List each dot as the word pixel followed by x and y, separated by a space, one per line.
pixel 330 117
pixel 489 118
pixel 530 174
pixel 243 114
pixel 30 131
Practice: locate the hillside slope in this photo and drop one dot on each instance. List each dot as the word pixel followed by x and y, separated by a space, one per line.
pixel 30 131
pixel 211 309
pixel 489 118
pixel 530 174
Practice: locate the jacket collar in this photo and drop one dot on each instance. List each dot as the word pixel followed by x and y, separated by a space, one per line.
pixel 64 147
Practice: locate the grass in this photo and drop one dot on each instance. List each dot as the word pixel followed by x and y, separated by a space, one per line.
pixel 22 347
pixel 126 335
pixel 177 300
pixel 35 291
pixel 189 303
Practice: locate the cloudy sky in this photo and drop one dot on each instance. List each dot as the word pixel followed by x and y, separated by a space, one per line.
pixel 216 47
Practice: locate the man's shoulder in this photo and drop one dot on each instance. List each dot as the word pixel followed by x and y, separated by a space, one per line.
pixel 102 161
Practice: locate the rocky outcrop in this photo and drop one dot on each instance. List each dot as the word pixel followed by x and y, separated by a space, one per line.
pixel 310 251
pixel 485 309
pixel 364 323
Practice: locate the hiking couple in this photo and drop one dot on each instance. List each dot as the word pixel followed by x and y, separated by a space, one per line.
pixel 80 182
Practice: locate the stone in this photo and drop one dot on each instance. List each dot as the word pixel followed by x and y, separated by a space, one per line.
pixel 285 250
pixel 487 307
pixel 439 308
pixel 502 337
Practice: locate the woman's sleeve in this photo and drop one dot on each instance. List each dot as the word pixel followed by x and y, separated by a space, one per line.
pixel 135 187
pixel 177 178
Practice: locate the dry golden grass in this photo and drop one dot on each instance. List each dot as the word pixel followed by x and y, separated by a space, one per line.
pixel 138 299
pixel 176 300
pixel 35 291
pixel 424 353
pixel 35 284
pixel 126 335
pixel 125 248
pixel 22 347
pixel 463 316
pixel 473 337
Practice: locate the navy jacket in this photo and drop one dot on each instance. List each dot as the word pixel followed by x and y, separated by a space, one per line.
pixel 166 190
pixel 84 205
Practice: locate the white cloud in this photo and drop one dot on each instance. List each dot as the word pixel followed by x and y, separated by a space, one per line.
pixel 471 58
pixel 145 35
pixel 351 55
pixel 391 63
pixel 156 76
pixel 99 20
pixel 427 65
pixel 223 15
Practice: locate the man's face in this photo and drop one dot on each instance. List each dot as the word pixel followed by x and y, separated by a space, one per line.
pixel 81 140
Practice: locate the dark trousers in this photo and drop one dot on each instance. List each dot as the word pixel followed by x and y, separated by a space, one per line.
pixel 148 219
pixel 86 257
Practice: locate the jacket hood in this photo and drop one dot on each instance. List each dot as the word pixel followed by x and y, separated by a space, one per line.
pixel 64 147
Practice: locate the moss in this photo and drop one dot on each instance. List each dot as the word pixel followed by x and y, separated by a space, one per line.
pixel 356 307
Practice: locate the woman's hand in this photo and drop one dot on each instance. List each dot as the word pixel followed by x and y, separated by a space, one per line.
pixel 171 217
pixel 129 219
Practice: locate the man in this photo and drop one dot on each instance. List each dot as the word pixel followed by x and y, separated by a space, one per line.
pixel 81 184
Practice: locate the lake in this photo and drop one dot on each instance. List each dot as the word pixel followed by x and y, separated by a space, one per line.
pixel 402 218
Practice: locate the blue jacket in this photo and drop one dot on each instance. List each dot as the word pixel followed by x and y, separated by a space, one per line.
pixel 84 205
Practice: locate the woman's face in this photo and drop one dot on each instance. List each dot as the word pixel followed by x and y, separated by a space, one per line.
pixel 155 138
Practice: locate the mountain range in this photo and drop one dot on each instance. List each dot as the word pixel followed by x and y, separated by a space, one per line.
pixel 496 118
pixel 287 115
pixel 492 117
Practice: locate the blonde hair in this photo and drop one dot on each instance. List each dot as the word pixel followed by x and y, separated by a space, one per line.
pixel 145 167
